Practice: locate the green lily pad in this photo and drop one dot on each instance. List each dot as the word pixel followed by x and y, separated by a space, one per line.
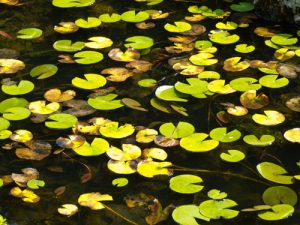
pixel 183 129
pixel 178 27
pixel 203 44
pixel 206 11
pixel 113 130
pixel 197 143
pixel 16 113
pixel 12 102
pixel 232 156
pixel 127 153
pixel 187 215
pixel 147 83
pixel 29 33
pixel 35 184
pixel 149 168
pixel 133 17
pixel 209 75
pixel 203 59
pixel 24 87
pixel 220 134
pixel 5 134
pixel 91 22
pixel 61 121
pixel 72 3
pixel 68 46
pixel 224 38
pixel 44 71
pixel 244 48
pixel 271 81
pixel 284 39
pixel 280 195
pixel 219 86
pixel 1 184
pixel 120 182
pixel 88 57
pixel 139 42
pixel 218 209
pixel 242 7
pixel 280 212
pixel 105 102
pixel 91 81
pixel 229 25
pixel 245 84
pixel 264 140
pixel 186 184
pixel 110 18
pixel 196 87
pixel 169 93
pixel 120 167
pixel 269 118
pixel 97 147
pixel 274 173
pixel 216 194
pixel 4 124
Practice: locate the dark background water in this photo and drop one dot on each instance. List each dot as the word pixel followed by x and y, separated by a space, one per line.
pixel 41 14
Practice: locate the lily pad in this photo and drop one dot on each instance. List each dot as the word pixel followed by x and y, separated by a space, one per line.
pixel 280 195
pixel 245 84
pixel 133 17
pixel 35 184
pixel 105 102
pixel 264 140
pixel 284 39
pixel 93 200
pixel 29 33
pixel 224 38
pixel 169 93
pixel 113 130
pixel 187 215
pixel 97 147
pixel 233 64
pixel 72 3
pixel 139 42
pixel 40 107
pixel 242 7
pixel 149 168
pixel 269 118
pixel 218 209
pixel 24 87
pixel 9 66
pixel 280 212
pixel 128 152
pixel 90 22
pixel 88 57
pixel 121 167
pixel 68 46
pixel 91 81
pixel 183 129
pixel 293 135
pixel 219 86
pixel 4 124
pixel 44 71
pixel 16 113
pixel 220 134
pixel 271 81
pixel 178 27
pixel 197 143
pixel 61 121
pixel 274 173
pixel 110 18
pixel 186 184
pixel 216 194
pixel 120 182
pixel 232 156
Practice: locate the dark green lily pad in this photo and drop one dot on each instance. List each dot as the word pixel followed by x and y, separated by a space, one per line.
pixel 280 195
pixel 242 7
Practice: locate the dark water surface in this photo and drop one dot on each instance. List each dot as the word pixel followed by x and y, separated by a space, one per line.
pixel 247 193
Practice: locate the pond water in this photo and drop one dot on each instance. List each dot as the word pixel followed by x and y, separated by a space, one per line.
pixel 215 102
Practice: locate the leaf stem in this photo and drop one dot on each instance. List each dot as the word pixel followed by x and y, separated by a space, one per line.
pixel 119 215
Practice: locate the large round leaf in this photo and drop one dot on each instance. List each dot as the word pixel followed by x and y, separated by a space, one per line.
pixel 61 121
pixel 149 168
pixel 12 102
pixel 105 102
pixel 186 184
pixel 220 134
pixel 16 113
pixel 263 141
pixel 97 147
pixel 139 42
pixel 197 143
pixel 271 81
pixel 224 38
pixel 274 173
pixel 133 17
pixel 72 3
pixel 245 84
pixel 24 87
pixel 280 195
pixel 113 130
pixel 68 46
pixel 218 209
pixel 88 57
pixel 271 118
pixel 183 129
pixel 91 81
pixel 43 71
pixel 169 93
pixel 279 212
pixel 187 215
pixel 29 33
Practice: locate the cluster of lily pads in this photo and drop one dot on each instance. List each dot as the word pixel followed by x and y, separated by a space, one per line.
pixel 202 75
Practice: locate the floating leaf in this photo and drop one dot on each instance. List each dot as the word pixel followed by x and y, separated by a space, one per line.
pixel 29 33
pixel 97 147
pixel 263 141
pixel 149 168
pixel 220 134
pixel 68 46
pixel 242 7
pixel 280 212
pixel 203 59
pixel 8 66
pixel 139 42
pixel 21 136
pixel 68 210
pixel 155 153
pixel 133 17
pixel 244 48
pixel 269 118
pixel 143 136
pixel 279 195
pixel 187 215
pixel 56 95
pixel 229 25
pixel 178 27
pixel 72 3
pixel 216 209
pixel 91 81
pixel 251 100
pixel 40 107
pixel 113 130
pixel 88 57
pixel 4 124
pixel 233 64
pixel 274 173
pixel 219 86
pixel 197 143
pixel 110 18
pixel 186 184
pixel 24 87
pixel 26 195
pixel 284 39
pixel 217 194
pixel 128 56
pixel 105 102
pixel 121 167
pixel 196 87
pixel 224 38
pixel 61 121
pixel 66 28
pixel 91 22
pixel 232 156
pixel 293 135
pixel 35 184
pixel 44 71
pixel 99 42
pixel 169 93
pixel 271 81
pixel 183 129
pixel 128 152
pixel 16 113
pixel 93 200
pixel 120 182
